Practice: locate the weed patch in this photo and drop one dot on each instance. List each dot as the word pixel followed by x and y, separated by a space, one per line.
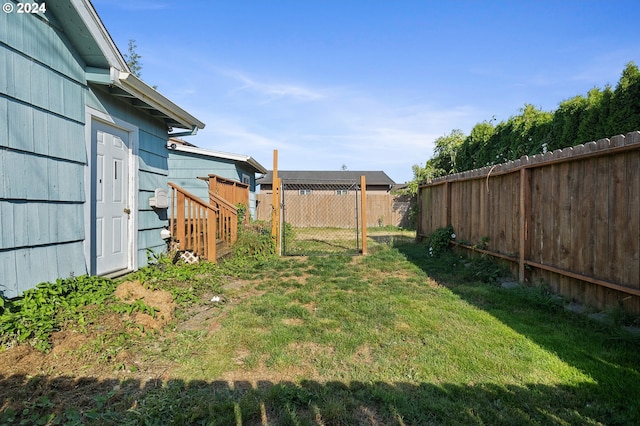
pixel 44 309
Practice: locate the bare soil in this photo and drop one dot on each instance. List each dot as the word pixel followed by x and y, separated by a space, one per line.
pixel 81 364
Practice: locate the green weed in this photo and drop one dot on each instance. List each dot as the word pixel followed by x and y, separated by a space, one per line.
pixel 45 308
pixel 253 247
pixel 438 241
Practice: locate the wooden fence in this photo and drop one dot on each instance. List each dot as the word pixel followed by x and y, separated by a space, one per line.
pixel 569 217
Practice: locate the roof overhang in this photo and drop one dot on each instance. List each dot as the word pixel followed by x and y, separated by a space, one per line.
pixel 142 96
pixel 238 158
pixel 105 65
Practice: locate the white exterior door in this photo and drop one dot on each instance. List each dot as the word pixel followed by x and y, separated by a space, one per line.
pixel 111 183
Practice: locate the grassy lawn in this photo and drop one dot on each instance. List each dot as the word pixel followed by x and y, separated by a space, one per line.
pixel 395 337
pixel 347 241
pixel 320 241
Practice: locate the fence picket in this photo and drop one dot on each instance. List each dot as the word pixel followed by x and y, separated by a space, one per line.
pixel 572 216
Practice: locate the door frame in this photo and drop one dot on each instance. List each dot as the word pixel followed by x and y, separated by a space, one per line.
pixel 93 115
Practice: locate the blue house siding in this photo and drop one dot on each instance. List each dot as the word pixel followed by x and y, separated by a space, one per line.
pixel 49 98
pixel 186 167
pixel 152 168
pixel 42 155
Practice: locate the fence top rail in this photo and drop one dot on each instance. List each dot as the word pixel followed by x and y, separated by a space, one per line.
pixel 192 197
pixel 606 146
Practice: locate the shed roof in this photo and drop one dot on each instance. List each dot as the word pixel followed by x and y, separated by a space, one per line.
pixel 238 158
pixel 326 176
pixel 105 65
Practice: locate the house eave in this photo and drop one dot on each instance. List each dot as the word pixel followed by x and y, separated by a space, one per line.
pixel 219 154
pixel 140 95
pixel 106 66
pixel 99 33
pixel 148 95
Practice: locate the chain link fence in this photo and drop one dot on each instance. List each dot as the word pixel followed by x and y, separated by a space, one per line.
pixel 320 217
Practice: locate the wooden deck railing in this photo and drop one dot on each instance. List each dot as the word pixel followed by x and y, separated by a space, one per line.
pixel 231 190
pixel 227 218
pixel 193 223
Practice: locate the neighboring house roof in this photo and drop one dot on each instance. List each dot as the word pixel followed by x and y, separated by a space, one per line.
pixel 174 145
pixel 318 176
pixel 106 66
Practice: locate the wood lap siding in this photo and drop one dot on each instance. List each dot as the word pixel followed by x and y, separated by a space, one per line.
pixel 582 219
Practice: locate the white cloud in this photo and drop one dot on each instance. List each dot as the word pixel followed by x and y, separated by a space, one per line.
pixel 225 131
pixel 273 90
pixel 322 128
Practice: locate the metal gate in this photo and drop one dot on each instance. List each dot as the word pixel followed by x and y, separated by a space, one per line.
pixel 320 218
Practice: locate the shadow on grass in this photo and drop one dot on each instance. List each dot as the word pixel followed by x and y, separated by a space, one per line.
pixel 607 353
pixel 68 400
pixel 391 239
pixel 315 246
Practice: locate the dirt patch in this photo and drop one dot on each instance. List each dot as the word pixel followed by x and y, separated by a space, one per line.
pixel 363 355
pixel 75 355
pixel 262 373
pixel 160 300
pixel 311 307
pixel 81 351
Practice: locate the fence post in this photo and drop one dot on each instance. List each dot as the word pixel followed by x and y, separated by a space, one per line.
pixel 525 206
pixel 363 209
pixel 275 203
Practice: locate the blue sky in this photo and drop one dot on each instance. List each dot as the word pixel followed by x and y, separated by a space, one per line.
pixel 367 84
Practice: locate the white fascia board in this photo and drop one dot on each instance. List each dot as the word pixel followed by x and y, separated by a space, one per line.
pixel 100 34
pixel 259 167
pixel 147 94
pixel 219 154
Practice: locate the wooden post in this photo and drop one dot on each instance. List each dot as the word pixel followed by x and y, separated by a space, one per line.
pixel 279 236
pixel 211 235
pixel 180 221
pixel 363 209
pixel 420 213
pixel 275 203
pixel 525 206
